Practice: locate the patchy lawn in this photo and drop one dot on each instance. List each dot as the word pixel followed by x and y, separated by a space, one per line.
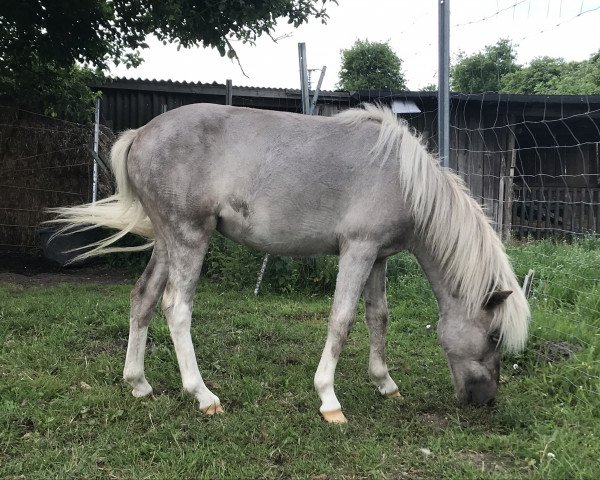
pixel 66 413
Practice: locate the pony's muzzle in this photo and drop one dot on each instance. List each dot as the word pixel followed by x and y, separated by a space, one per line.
pixel 480 393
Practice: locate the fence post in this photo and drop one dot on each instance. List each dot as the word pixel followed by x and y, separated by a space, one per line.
pixel 228 92
pixel 313 103
pixel 443 82
pixel 507 197
pixel 303 77
pixel 96 149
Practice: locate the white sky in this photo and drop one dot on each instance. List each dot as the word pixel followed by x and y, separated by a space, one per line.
pixel 557 28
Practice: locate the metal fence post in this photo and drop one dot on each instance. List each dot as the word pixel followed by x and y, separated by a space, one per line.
pixel 313 103
pixel 303 78
pixel 228 92
pixel 96 149
pixel 443 82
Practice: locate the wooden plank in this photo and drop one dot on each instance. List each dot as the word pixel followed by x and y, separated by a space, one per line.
pixel 530 209
pixel 590 211
pixel 568 223
pixel 132 110
pixel 548 209
pixel 522 208
pixel 500 215
pixel 155 105
pixel 534 210
pixel 559 209
pixel 581 209
pixel 595 210
pixel 464 143
pixel 488 159
pixel 587 207
pixel 509 174
pixel 141 114
pixel 566 213
pixel 539 205
pixel 454 139
pixel 475 161
pixel 514 208
pixel 118 120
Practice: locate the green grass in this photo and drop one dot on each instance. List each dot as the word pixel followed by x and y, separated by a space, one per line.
pixel 65 412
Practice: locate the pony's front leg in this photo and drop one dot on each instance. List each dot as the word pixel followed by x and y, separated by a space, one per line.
pixel 355 264
pixel 376 316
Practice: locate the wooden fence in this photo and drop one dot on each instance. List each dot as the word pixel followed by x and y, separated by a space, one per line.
pixel 543 211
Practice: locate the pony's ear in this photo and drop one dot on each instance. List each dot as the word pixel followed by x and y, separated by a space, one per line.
pixel 496 298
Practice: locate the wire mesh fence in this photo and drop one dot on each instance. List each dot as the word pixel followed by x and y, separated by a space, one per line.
pixel 44 162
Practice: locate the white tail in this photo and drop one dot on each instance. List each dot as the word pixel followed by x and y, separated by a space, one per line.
pixel 121 211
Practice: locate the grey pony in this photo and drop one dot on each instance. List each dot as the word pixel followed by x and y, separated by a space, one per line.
pixel 359 185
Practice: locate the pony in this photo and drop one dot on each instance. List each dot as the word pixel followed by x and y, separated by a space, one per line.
pixel 359 185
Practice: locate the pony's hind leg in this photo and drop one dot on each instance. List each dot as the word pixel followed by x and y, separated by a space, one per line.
pixel 144 297
pixel 185 262
pixel 355 264
pixel 376 316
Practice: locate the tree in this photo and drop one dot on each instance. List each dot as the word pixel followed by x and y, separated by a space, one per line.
pixel 555 76
pixel 45 36
pixel 539 77
pixel 371 65
pixel 483 71
pixel 430 87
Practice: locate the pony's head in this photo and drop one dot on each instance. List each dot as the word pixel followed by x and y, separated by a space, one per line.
pixel 472 347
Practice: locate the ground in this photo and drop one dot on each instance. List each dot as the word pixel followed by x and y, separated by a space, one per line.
pixel 29 270
pixel 66 413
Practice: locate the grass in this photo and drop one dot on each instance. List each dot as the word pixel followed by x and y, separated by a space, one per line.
pixel 65 412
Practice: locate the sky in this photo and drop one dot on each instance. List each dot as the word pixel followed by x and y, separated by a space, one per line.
pixel 556 28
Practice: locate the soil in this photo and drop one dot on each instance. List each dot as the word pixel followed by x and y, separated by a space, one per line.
pixel 486 462
pixel 31 270
pixel 552 352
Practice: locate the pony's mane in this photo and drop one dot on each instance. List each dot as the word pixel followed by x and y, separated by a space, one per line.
pixel 454 228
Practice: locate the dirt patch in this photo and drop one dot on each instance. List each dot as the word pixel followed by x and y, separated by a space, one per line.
pixel 35 271
pixel 552 352
pixel 434 420
pixel 484 462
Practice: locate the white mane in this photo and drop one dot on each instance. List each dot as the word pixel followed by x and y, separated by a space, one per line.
pixel 452 224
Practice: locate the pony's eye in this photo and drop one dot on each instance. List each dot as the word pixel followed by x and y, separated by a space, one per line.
pixel 495 338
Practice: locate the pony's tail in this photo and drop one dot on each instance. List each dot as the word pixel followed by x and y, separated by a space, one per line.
pixel 121 211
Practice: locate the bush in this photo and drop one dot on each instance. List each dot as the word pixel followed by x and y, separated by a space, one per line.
pixel 238 266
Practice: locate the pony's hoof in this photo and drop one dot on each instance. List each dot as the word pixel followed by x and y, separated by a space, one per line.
pixel 142 391
pixel 215 408
pixel 394 394
pixel 335 416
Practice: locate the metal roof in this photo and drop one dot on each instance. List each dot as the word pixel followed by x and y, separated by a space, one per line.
pixel 206 88
pixel 589 103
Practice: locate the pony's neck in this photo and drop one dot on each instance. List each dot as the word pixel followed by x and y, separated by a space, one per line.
pixel 435 277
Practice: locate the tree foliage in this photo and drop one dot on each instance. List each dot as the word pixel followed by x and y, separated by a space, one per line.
pixel 548 76
pixel 538 78
pixel 430 87
pixel 495 70
pixel 483 71
pixel 61 92
pixel 371 65
pixel 43 36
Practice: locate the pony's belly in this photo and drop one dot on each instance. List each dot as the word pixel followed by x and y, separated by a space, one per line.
pixel 276 237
